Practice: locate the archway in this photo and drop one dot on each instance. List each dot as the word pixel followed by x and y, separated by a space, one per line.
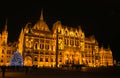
pixel 72 57
pixel 68 57
pixel 28 61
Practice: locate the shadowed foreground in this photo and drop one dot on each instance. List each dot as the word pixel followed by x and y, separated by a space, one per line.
pixel 58 73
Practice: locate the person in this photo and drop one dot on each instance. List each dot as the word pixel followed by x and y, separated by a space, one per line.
pixel 27 69
pixel 3 71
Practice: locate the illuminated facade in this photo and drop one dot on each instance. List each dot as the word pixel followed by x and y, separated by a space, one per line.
pixel 6 49
pixel 38 46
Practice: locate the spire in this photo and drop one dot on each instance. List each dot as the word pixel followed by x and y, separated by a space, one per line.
pixel 80 29
pixel 41 16
pixel 6 22
pixel 108 47
pixel 102 46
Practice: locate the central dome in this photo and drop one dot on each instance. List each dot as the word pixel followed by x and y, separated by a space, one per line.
pixel 41 24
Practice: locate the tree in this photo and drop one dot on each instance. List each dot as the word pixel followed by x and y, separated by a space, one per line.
pixel 17 59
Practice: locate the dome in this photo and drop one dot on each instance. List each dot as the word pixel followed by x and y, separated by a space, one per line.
pixel 41 24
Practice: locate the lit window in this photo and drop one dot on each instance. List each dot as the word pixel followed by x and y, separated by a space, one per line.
pixel 1 60
pixel 52 53
pixel 41 46
pixel 65 32
pixel 60 60
pixel 35 52
pixel 67 41
pixel 41 53
pixel 46 53
pixel 35 59
pixel 51 59
pixel 51 47
pixel 46 59
pixel 41 59
pixel 60 53
pixel 42 41
pixel 35 45
pixel 2 51
pixel 46 47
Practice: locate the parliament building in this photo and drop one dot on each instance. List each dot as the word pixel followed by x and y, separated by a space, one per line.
pixel 59 46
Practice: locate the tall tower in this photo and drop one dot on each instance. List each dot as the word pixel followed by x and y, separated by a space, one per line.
pixel 3 46
pixel 5 34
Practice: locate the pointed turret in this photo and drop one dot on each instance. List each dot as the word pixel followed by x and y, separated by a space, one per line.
pixel 5 34
pixel 102 46
pixel 6 22
pixel 109 47
pixel 41 16
pixel 5 29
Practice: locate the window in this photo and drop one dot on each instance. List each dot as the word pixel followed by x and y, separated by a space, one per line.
pixel 35 59
pixel 2 51
pixel 65 32
pixel 60 32
pixel 28 52
pixel 60 53
pixel 47 41
pixel 51 59
pixel 42 41
pixel 41 53
pixel 35 52
pixel 65 41
pixel 76 34
pixel 46 59
pixel 47 53
pixel 60 60
pixel 1 60
pixel 8 52
pixel 51 47
pixel 35 45
pixel 52 53
pixel 41 46
pixel 71 42
pixel 77 42
pixel 7 61
pixel 46 47
pixel 41 59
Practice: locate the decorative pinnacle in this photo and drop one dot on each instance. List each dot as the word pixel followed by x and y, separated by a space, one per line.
pixel 41 16
pixel 6 22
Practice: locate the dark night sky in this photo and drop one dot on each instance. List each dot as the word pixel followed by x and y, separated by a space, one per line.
pixel 99 18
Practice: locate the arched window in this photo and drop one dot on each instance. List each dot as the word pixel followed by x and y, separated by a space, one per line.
pixel 65 32
pixel 41 46
pixel 35 45
pixel 46 59
pixel 65 41
pixel 76 34
pixel 51 59
pixel 35 59
pixel 41 59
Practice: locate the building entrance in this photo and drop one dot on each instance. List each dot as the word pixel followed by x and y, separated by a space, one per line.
pixel 28 61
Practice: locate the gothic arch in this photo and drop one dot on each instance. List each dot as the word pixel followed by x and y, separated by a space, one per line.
pixel 28 61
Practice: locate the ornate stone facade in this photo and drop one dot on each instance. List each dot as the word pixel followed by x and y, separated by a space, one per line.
pixel 42 47
pixel 6 49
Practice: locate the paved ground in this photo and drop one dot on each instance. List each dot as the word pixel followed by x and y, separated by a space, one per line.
pixel 49 73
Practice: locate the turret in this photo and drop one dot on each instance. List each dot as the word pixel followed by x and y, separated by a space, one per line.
pixel 5 34
pixel 41 16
